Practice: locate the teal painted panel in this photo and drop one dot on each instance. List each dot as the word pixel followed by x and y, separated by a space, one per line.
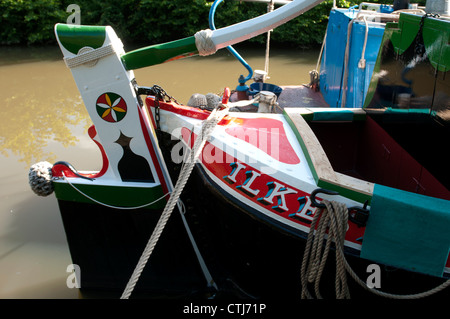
pixel 408 231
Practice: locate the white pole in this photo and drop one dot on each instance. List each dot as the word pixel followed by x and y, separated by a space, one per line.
pixel 248 29
pixel 270 7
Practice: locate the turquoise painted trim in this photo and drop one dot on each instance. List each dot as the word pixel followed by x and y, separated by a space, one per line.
pixel 344 115
pixel 408 230
pixel 407 111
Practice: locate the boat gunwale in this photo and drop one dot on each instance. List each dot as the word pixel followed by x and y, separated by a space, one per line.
pixel 321 168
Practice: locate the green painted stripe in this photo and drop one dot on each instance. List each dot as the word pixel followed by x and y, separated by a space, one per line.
pixel 345 192
pixel 341 115
pixel 302 145
pixel 159 53
pixel 75 37
pixel 119 196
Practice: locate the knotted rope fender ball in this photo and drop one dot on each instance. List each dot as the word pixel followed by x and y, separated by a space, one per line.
pixel 40 178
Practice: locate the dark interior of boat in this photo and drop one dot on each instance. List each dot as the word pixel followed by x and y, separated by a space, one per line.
pixel 408 153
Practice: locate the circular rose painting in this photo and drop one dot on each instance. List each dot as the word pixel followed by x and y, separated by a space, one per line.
pixel 111 107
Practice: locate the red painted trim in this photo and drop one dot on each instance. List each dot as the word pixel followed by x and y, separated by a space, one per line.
pixel 152 118
pixel 187 111
pixel 146 131
pixel 226 95
pixel 219 166
pixel 105 163
pixel 57 170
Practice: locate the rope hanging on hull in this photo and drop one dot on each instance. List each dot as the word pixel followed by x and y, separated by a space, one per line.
pixel 331 225
pixel 207 128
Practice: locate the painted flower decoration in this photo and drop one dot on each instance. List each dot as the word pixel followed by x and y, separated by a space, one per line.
pixel 111 107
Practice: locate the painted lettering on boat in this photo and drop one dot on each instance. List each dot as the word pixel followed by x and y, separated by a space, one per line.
pixel 270 193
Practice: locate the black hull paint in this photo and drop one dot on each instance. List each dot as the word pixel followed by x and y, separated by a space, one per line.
pixel 266 262
pixel 107 244
pixel 248 257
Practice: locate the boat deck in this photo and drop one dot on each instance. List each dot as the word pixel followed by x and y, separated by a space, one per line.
pixel 300 96
pixel 291 96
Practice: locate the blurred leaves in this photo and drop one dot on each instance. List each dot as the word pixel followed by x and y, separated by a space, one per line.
pixel 29 21
pixel 154 21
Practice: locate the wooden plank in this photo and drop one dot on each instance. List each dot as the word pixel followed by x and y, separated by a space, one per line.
pixel 355 184
pixel 318 158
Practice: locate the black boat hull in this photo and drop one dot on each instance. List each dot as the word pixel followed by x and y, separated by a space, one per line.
pixel 247 257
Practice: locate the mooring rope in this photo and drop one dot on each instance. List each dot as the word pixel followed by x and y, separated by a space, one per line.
pixel 207 127
pixel 315 256
pixel 334 218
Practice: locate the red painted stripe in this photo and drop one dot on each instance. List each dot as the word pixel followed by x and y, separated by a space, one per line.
pixel 187 111
pixel 146 131
pixel 217 162
pixel 268 135
pixel 105 163
pixel 57 170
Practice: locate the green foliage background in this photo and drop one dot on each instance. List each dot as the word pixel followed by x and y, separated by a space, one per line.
pixel 31 22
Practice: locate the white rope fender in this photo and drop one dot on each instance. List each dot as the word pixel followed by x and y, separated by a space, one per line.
pixel 335 219
pixel 207 127
pixel 204 43
pixel 40 178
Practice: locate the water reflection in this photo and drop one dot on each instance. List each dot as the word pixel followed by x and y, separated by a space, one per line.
pixel 39 104
pixel 197 74
pixel 42 117
pixel 17 55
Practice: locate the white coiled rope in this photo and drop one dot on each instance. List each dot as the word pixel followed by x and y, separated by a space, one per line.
pixel 204 42
pixel 208 126
pixel 40 178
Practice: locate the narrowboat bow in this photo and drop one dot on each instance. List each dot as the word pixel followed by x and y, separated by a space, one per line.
pixel 364 165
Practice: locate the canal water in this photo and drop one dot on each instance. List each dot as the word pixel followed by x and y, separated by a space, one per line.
pixel 42 118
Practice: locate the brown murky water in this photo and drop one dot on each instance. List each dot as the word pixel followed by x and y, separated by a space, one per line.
pixel 42 118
